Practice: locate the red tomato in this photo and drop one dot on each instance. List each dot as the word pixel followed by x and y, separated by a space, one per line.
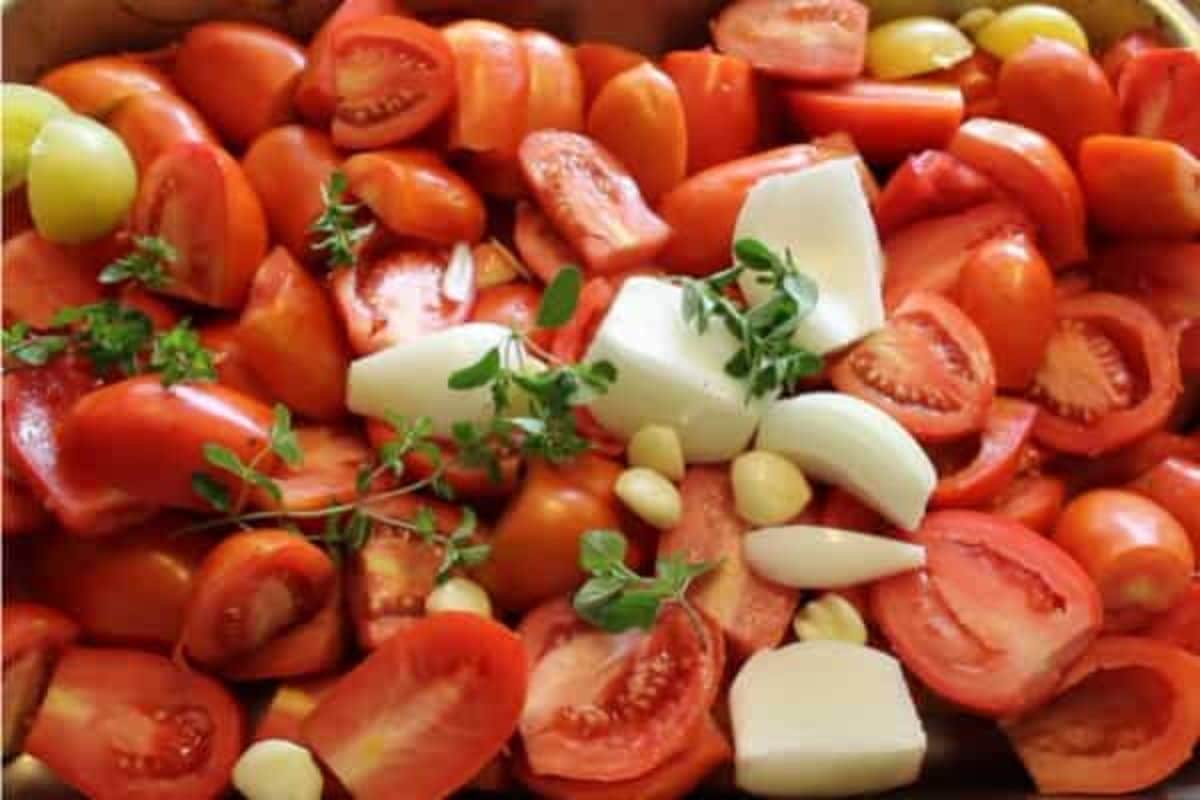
pixel 233 368
pixel 1181 625
pixel 555 84
pixel 492 72
pixel 162 313
pixel 716 87
pixel 34 636
pixel 929 368
pixel 1109 376
pixel 41 278
pixel 572 340
pixel 513 305
pixel 593 711
pixel 821 41
pixel 753 613
pixel 162 431
pixel 930 184
pixel 1162 275
pixel 1059 91
pixel 151 122
pixel 1007 290
pixel 21 514
pixel 843 510
pixel 888 121
pixel 389 579
pixel 1167 204
pixel 592 201
pixel 1031 168
pixel 1175 484
pixel 95 86
pixel 291 337
pixel 976 78
pixel 600 62
pixel 393 77
pixel 1130 462
pixel 415 194
pixel 1033 500
pixel 1125 718
pixel 290 705
pixel 639 117
pixel 426 711
pixel 996 616
pixel 17 218
pixel 1118 55
pixel 1158 91
pixel 327 473
pixel 198 198
pixel 289 168
pixel 990 465
pixel 542 249
pixel 397 298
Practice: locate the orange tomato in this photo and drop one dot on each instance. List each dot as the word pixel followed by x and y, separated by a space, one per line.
pixel 1175 484
pixel 492 75
pixel 542 249
pixel 600 62
pixel 1166 204
pixel 41 278
pixel 95 86
pixel 716 87
pixel 149 123
pixel 555 84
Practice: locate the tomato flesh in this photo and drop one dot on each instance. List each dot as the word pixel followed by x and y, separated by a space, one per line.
pixel 929 184
pixel 1157 91
pixel 822 41
pixel 34 637
pixel 994 465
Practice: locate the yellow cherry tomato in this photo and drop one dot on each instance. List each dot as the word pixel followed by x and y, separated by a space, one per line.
pixel 915 46
pixel 1012 30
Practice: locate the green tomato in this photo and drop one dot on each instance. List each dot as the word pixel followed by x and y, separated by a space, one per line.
pixel 26 109
pixel 82 180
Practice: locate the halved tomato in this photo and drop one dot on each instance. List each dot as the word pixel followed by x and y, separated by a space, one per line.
pixel 389 579
pixel 492 72
pixel 976 78
pixel 1168 205
pixel 1033 499
pixel 95 86
pixel 1109 376
pixel 326 475
pixel 1181 625
pixel 555 84
pixel 821 41
pixel 929 368
pixel 151 122
pixel 34 637
pixel 995 617
pixel 41 278
pixel 600 62
pixel 970 478
pixel 122 723
pixel 1175 484
pixel 290 705
pixel 515 306
pixel 930 184
pixel 542 249
pixel 1118 55
pixel 714 86
pixel 425 711
pixel 613 707
pixel 1157 91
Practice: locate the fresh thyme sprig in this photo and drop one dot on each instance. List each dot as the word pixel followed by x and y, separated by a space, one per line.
pixel 26 347
pixel 338 226
pixel 146 264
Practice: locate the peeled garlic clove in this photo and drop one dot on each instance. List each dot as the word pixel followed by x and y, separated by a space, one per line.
pixel 459 594
pixel 651 496
pixel 657 447
pixel 767 488
pixel 830 616
pixel 812 557
pixel 276 769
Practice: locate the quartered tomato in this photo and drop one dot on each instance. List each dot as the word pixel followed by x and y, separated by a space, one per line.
pixel 995 617
pixel 600 62
pixel 929 368
pixel 713 86
pixel 41 278
pixel 930 184
pixel 1157 91
pixel 515 306
pixel 151 122
pixel 1181 625
pixel 1109 376
pixel 34 636
pixel 229 357
pixel 555 84
pixel 613 707
pixel 970 481
pixel 492 72
pixel 95 86
pixel 541 247
pixel 822 41
pixel 425 711
pixel 1175 484
pixel 122 723
pixel 1167 205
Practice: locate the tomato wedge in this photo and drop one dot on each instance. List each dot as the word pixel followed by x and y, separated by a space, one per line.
pixel 34 637
pixel 327 473
pixel 492 71
pixel 996 458
pixel 555 84
pixel 600 62
pixel 1181 625
pixel 929 368
pixel 714 86
pixel 233 368
pixel 542 249
pixel 1119 54
pixel 468 483
pixel 821 41
pixel 1168 205
pixel 425 711
pixel 996 616
pixel 121 723
pixel 930 184
pixel 1157 91
pixel 151 122
pixel 976 77
pixel 613 707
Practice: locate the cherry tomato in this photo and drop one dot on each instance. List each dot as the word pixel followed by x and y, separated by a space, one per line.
pixel 716 87
pixel 1161 275
pixel 591 715
pixel 1157 92
pixel 197 198
pixel 513 305
pixel 1167 204
pixel 994 618
pixel 1060 92
pixel 392 76
pixel 930 184
pixel 555 84
pixel 821 41
pixel 396 299
pixel 95 86
pixel 290 705
pixel 309 648
pixel 151 122
pixel 468 483
pixel 415 194
pixel 1108 377
pixel 929 368
pixel 976 78
pixel 1007 290
pixel 977 475
pixel 332 457
pixel 233 367
pixel 34 637
pixel 492 73
pixel 1125 718
pixel 290 336
pixel 1033 500
pixel 289 168
pixel 1175 484
pixel 41 278
pixel 425 711
pixel 1118 55
pixel 1181 625
pixel 163 431
pixel 592 201
pixel 888 121
pixel 542 249
pixel 600 62
pixel 1031 168
pixel 21 514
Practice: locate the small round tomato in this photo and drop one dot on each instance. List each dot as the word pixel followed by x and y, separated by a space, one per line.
pixel 1033 500
pixel 151 122
pixel 930 184
pixel 34 637
pixel 392 77
pixel 1167 205
pixel 197 198
pixel 121 723
pixel 993 462
pixel 1119 54
pixel 1175 484
pixel 555 84
pixel 593 713
pixel 713 86
pixel 493 87
pixel 1181 625
pixel 821 41
pixel 600 62
pixel 929 368
pixel 1109 376
pixel 1157 93
pixel 41 278
pixel 95 86
pixel 994 618
pixel 542 249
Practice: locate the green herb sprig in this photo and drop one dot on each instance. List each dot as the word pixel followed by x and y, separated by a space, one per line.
pixel 146 264
pixel 338 226
pixel 26 347
pixel 177 355
pixel 112 336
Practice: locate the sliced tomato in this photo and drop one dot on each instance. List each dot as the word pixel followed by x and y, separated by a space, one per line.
pixel 1033 500
pixel 397 298
pixel 821 41
pixel 197 198
pixel 1118 55
pixel 600 62
pixel 21 514
pixel 327 473
pixel 151 122
pixel 515 306
pixel 972 481
pixel 1109 376
pixel 1181 625
pixel 995 617
pixel 888 121
pixel 541 247
pixel 614 707
pixel 121 723
pixel 392 76
pixel 34 637
pixel 1168 205
pixel 1175 484
pixel 41 278
pixel 930 184
pixel 426 711
pixel 592 200
pixel 572 340
pixel 1162 275
pixel 715 86
pixel 290 705
pixel 1125 718
pixel 753 613
pixel 1031 168
pixel 1157 91
pixel 389 579
pixel 492 72
pixel 229 357
pixel 929 368
pixel 95 86
pixel 976 77
pixel 555 84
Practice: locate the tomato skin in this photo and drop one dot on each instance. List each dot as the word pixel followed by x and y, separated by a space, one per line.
pixel 1007 290
pixel 492 73
pixel 233 367
pixel 1175 484
pixel 1119 685
pixel 1157 92
pixel 127 724
pixel 1129 462
pixel 291 338
pixel 592 200
pixel 819 41
pixel 976 78
pixel 1053 88
pixel 288 168
pixel 1031 168
pixel 1034 500
pixel 1009 426
pixel 1167 205
pixel 843 510
pixel 600 62
pixel 714 86
pixel 415 194
pixel 888 121
pixel 572 340
pixel 1181 625
pixel 541 247
pixel 389 580
pixel 34 636
pixel 481 668
pixel 95 86
pixel 513 305
pixel 1119 54
pixel 1160 274
pixel 40 278
pixel 982 574
pixel 555 84
pixel 930 184
pixel 327 473
pixel 149 123
pixel 21 514
pixel 162 431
